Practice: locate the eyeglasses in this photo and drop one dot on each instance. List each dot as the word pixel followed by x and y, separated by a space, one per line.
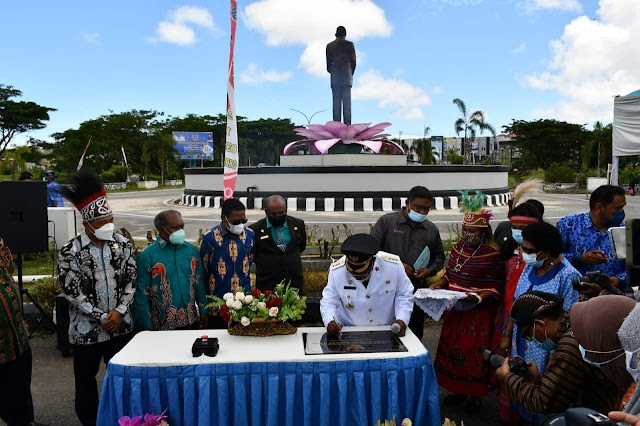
pixel 531 251
pixel 237 222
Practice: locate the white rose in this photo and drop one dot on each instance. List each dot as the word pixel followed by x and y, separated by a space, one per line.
pixel 240 296
pixel 245 321
pixel 237 304
pixel 230 303
pixel 273 312
pixel 227 296
pixel 262 305
pixel 248 299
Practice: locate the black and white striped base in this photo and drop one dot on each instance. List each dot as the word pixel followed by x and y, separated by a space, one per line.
pixel 343 204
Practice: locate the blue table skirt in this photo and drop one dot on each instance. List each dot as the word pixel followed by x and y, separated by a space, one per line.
pixel 347 393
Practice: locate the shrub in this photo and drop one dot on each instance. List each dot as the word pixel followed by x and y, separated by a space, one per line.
pixel 559 173
pixel 44 291
pixel 117 173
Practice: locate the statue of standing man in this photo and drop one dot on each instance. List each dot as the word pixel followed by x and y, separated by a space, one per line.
pixel 341 64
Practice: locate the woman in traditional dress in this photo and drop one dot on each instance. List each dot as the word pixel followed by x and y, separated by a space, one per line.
pixel 548 271
pixel 475 268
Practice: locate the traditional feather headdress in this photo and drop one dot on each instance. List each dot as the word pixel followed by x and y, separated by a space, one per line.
pixel 88 195
pixel 529 185
pixel 475 213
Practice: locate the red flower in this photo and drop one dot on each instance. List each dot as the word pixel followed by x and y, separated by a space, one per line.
pixel 225 313
pixel 267 293
pixel 255 293
pixel 276 301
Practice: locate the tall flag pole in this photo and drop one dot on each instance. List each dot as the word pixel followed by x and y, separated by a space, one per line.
pixel 231 147
pixel 126 164
pixel 81 162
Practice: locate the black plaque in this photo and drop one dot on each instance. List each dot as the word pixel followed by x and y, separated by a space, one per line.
pixel 352 342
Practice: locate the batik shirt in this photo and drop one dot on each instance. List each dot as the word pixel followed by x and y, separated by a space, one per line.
pixel 13 336
pixel 580 236
pixel 54 193
pixel 170 291
pixel 97 281
pixel 227 259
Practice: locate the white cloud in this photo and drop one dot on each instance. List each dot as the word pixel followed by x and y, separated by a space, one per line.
pixel 437 90
pixel 253 75
pixel 519 49
pixel 312 23
pixel 593 61
pixel 177 28
pixel 569 5
pixel 403 99
pixel 91 38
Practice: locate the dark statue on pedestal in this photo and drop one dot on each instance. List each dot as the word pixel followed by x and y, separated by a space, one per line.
pixel 341 64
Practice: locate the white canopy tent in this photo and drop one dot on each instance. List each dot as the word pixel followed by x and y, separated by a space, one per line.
pixel 626 129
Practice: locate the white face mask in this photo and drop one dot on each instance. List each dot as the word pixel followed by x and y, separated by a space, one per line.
pixel 236 229
pixel 105 232
pixel 633 372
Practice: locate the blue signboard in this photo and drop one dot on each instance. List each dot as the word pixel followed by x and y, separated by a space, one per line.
pixel 193 145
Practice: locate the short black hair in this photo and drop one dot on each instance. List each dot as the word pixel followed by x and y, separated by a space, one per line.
pixel 544 236
pixel 160 221
pixel 527 210
pixel 537 204
pixel 231 205
pixel 420 192
pixel 26 176
pixel 341 31
pixel 604 195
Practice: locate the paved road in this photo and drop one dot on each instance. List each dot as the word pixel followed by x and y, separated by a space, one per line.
pixel 135 211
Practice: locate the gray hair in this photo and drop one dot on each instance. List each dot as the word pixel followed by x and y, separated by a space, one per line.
pixel 273 198
pixel 160 221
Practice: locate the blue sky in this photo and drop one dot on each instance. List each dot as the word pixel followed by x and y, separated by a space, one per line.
pixel 514 59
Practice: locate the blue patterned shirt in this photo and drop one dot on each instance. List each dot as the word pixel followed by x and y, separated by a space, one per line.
pixel 227 259
pixel 580 236
pixel 54 193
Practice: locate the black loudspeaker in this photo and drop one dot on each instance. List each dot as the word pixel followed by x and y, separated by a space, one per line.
pixel 23 216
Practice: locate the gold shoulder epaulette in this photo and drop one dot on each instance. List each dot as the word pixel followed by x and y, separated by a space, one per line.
pixel 390 258
pixel 338 263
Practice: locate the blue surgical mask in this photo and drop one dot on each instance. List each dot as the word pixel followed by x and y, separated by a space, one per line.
pixel 177 238
pixel 417 217
pixel 584 351
pixel 531 259
pixel 548 344
pixel 517 235
pixel 616 219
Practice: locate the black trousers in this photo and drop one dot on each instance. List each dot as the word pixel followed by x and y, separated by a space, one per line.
pixel 342 103
pixel 86 363
pixel 416 322
pixel 16 406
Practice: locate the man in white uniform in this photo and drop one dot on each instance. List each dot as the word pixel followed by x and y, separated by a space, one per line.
pixel 366 287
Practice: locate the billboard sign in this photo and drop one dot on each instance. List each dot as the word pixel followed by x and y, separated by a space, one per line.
pixel 193 145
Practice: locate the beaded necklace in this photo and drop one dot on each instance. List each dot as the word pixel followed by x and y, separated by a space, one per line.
pixel 459 266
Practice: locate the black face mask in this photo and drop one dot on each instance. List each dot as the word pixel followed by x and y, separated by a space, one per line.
pixel 277 221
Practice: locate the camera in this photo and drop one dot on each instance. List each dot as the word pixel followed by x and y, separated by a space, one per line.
pixel 205 345
pixel 517 365
pixel 593 277
pixel 579 416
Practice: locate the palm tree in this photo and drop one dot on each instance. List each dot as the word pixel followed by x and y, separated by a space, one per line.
pixel 470 124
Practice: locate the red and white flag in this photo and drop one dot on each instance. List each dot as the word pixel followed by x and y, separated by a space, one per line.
pixel 231 158
pixel 83 154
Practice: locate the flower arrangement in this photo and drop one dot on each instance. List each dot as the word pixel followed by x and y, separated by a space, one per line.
pixel 282 304
pixel 392 422
pixel 149 419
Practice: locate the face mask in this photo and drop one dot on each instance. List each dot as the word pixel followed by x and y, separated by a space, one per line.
pixel 417 217
pixel 277 221
pixel 105 232
pixel 531 259
pixel 517 235
pixel 633 372
pixel 177 238
pixel 616 219
pixel 583 352
pixel 470 239
pixel 236 229
pixel 548 344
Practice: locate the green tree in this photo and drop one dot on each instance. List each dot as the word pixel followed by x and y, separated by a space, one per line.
pixel 544 142
pixel 470 125
pixel 18 116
